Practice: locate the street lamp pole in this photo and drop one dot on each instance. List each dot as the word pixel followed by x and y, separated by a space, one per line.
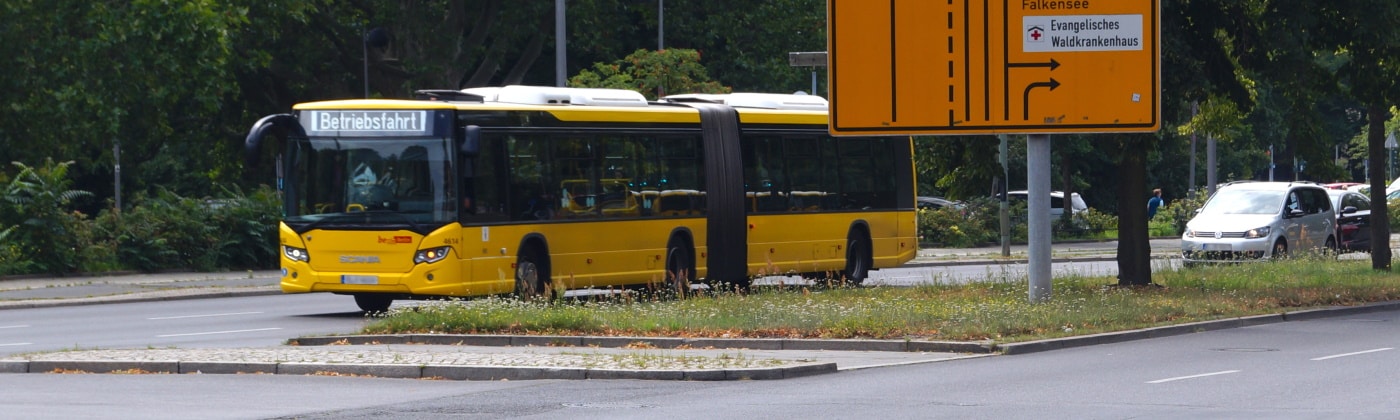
pixel 559 47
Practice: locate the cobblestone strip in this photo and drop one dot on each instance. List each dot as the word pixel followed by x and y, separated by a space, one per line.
pixel 420 362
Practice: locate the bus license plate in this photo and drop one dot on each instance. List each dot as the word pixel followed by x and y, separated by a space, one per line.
pixel 349 279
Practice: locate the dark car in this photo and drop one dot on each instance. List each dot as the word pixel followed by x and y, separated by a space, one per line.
pixel 1353 220
pixel 935 203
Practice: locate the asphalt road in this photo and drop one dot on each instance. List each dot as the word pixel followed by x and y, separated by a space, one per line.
pixel 1342 367
pixel 252 321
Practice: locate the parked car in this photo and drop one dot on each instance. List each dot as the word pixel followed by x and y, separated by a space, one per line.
pixel 1260 220
pixel 1057 202
pixel 1353 220
pixel 934 203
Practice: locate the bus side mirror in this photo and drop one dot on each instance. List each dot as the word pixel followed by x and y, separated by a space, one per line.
pixel 276 124
pixel 471 140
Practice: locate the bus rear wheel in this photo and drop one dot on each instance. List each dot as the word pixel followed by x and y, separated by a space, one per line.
pixel 373 303
pixel 857 258
pixel 680 269
pixel 531 274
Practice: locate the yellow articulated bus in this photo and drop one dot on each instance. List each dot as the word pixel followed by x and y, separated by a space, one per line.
pixel 533 190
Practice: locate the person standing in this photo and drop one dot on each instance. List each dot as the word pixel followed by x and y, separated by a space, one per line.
pixel 1154 202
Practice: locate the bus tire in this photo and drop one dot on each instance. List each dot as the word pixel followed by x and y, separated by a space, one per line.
pixel 680 268
pixel 857 257
pixel 373 303
pixel 531 273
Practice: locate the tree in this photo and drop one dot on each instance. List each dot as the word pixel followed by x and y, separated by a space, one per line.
pixel 653 73
pixel 1363 31
pixel 83 75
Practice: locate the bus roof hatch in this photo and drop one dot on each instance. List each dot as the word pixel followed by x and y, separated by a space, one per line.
pixel 757 100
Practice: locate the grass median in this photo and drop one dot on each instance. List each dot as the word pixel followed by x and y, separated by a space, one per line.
pixel 994 308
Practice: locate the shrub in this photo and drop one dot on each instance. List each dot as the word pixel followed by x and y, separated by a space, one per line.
pixel 170 231
pixel 36 202
pixel 1393 213
pixel 1098 221
pixel 975 223
pixel 1176 213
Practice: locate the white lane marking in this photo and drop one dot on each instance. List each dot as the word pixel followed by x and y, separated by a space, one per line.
pixel 1223 372
pixel 203 316
pixel 13 326
pixel 1351 354
pixel 14 344
pixel 216 332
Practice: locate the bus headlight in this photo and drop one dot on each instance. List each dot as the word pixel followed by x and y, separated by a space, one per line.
pixel 296 254
pixel 431 255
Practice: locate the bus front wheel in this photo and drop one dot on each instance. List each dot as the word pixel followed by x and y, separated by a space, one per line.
pixel 373 303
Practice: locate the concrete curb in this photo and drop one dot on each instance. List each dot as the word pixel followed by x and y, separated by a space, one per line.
pixel 153 296
pixel 650 342
pixel 448 372
pixel 1194 327
pixel 1021 260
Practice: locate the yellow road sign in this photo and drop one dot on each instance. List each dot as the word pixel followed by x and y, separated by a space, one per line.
pixel 952 67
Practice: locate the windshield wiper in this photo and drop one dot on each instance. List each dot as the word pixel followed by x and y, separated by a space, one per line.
pixel 412 224
pixel 327 217
pixel 367 217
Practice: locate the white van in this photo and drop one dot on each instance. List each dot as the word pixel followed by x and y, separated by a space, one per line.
pixel 1260 220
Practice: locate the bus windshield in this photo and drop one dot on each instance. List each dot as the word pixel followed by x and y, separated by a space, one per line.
pixel 348 183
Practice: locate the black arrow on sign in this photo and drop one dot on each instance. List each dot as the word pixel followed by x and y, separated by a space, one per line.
pixel 1006 82
pixel 1026 97
pixel 1052 64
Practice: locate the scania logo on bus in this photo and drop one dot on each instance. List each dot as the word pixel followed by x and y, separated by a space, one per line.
pixel 359 259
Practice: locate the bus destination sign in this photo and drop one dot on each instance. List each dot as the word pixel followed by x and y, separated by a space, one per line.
pixel 363 123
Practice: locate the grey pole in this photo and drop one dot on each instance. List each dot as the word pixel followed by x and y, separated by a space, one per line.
pixel 364 55
pixel 1005 214
pixel 1191 179
pixel 1211 181
pixel 660 25
pixel 117 171
pixel 1038 215
pixel 559 47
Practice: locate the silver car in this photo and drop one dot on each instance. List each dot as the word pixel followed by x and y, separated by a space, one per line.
pixel 1260 220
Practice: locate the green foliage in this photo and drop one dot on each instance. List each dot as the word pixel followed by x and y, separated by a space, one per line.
pixel 38 202
pixel 82 75
pixel 978 223
pixel 964 227
pixel 652 73
pixel 1096 221
pixel 1175 214
pixel 1394 214
pixel 167 231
